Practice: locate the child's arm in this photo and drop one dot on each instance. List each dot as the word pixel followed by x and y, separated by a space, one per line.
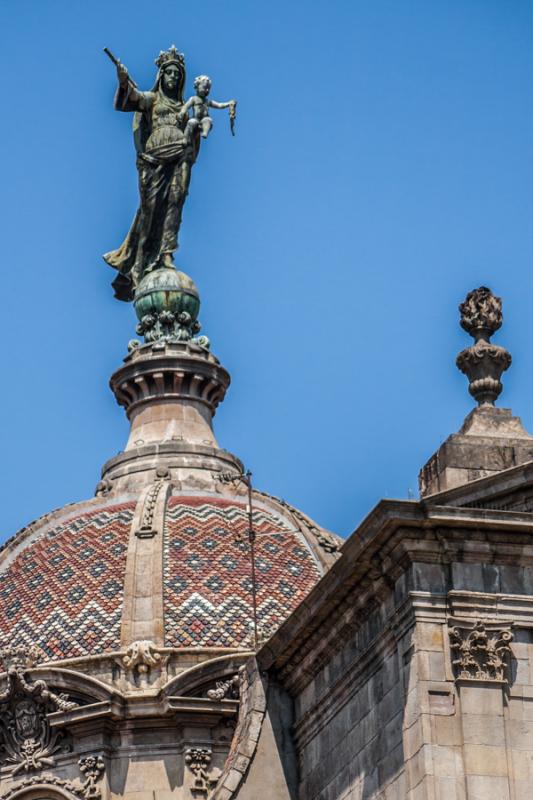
pixel 214 104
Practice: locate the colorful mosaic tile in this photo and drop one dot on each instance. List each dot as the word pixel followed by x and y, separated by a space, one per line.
pixel 64 591
pixel 207 575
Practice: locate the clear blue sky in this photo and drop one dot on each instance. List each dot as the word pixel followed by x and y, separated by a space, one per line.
pixel 382 168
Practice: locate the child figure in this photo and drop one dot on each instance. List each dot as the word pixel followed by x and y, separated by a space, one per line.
pixel 201 105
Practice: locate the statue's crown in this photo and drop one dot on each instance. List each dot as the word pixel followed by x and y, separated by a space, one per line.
pixel 170 56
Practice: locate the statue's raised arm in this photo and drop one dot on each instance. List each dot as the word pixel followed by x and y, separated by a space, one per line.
pixel 126 84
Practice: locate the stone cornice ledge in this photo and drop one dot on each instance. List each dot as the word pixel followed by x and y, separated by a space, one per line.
pixel 393 536
pixel 144 706
pixel 507 609
pixel 488 488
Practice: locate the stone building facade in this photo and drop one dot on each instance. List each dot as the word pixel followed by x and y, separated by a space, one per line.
pixel 407 672
pixel 182 635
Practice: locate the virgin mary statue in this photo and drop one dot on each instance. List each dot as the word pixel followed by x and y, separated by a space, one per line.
pixel 165 156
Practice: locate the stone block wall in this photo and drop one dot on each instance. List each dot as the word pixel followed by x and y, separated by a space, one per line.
pixel 348 725
pixel 415 682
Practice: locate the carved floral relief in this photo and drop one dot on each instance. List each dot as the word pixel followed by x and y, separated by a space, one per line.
pixel 92 767
pixel 198 759
pixel 481 651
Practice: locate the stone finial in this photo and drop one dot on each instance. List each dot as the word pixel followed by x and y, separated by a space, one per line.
pixel 483 363
pixel 481 313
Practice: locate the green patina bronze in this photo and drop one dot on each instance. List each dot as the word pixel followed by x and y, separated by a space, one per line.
pixel 167 305
pixel 167 133
pixel 167 130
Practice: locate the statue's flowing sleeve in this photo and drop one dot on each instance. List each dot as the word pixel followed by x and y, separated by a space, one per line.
pixel 129 98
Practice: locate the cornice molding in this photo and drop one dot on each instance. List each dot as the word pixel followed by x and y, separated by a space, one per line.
pixel 394 536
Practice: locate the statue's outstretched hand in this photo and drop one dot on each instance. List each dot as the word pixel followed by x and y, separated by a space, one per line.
pixel 122 74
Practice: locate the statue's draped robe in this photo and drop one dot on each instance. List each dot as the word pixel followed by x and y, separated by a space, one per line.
pixel 164 160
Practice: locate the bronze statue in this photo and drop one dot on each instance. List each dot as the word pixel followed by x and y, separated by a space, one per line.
pixel 200 104
pixel 167 147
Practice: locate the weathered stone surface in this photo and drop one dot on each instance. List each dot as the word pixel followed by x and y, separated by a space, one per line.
pixel 490 440
pixel 483 362
pixel 369 662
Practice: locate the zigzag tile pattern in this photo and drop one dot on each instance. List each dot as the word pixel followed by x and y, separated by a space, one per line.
pixel 64 591
pixel 207 573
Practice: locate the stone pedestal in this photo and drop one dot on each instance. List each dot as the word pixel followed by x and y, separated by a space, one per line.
pixel 170 391
pixel 491 439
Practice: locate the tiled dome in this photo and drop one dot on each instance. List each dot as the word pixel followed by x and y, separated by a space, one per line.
pixel 162 554
pixel 62 579
pixel 207 578
pixel 62 582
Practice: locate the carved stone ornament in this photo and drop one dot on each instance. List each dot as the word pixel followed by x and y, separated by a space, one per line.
pixel 142 655
pixel 484 362
pixel 19 657
pixel 481 651
pixel 103 488
pixel 198 760
pixel 92 767
pixel 228 689
pixel 146 527
pixel 27 741
pixel 481 313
